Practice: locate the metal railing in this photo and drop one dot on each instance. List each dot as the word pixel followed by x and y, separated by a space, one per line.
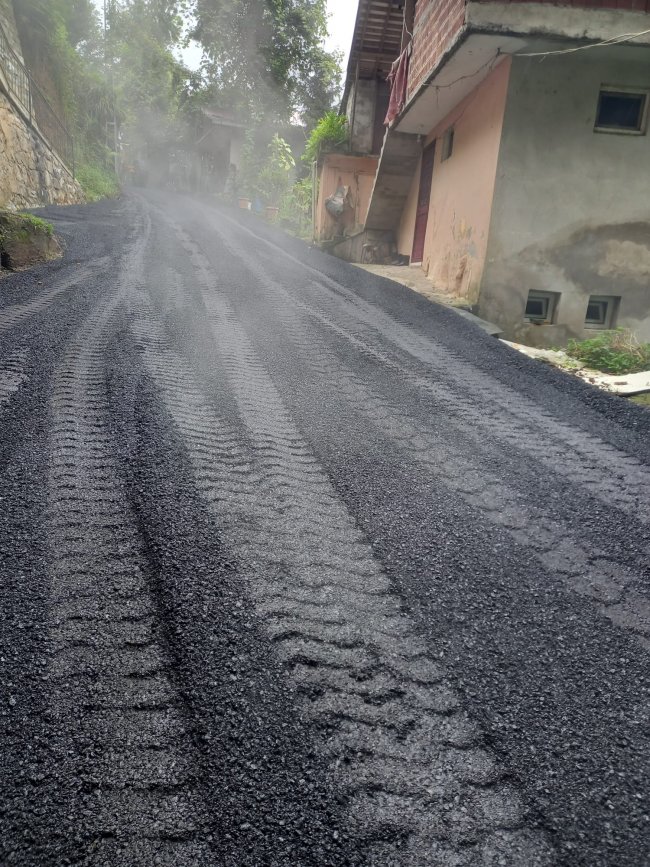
pixel 51 128
pixel 30 101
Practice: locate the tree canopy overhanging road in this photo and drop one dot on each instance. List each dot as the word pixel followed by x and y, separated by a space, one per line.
pixel 298 568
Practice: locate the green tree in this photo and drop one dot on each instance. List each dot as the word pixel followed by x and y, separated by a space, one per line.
pixel 320 90
pixel 266 56
pixel 148 80
pixel 63 47
pixel 275 175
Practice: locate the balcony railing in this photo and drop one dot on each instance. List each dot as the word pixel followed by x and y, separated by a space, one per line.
pixel 33 105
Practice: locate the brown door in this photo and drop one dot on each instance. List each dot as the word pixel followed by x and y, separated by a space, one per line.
pixel 424 194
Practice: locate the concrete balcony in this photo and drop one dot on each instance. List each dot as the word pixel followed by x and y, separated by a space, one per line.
pixel 454 51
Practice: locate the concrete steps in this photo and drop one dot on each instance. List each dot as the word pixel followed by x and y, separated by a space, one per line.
pixel 398 161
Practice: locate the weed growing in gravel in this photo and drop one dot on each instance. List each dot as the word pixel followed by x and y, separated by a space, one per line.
pixel 615 352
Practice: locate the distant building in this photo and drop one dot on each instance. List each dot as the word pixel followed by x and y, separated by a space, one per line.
pixel 217 150
pixel 515 169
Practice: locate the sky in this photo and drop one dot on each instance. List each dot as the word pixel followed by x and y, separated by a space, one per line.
pixel 342 14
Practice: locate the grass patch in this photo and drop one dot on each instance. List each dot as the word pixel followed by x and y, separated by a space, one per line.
pixel 97 183
pixel 36 224
pixel 616 352
pixel 26 240
pixel 641 399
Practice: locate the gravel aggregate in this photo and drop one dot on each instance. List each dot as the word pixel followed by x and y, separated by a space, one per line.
pixel 299 568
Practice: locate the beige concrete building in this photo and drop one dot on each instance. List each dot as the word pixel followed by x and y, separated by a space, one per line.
pixel 513 171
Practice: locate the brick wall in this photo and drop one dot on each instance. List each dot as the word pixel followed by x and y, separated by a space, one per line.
pixel 439 22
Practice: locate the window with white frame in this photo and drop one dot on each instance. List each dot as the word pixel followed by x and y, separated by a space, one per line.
pixel 622 110
pixel 602 311
pixel 541 307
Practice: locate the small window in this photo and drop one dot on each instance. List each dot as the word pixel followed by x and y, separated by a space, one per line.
pixel 541 306
pixel 447 144
pixel 601 311
pixel 621 111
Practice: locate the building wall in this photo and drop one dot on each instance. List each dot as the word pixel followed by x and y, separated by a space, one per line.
pixel 437 25
pixel 361 115
pixel 633 5
pixel 407 222
pixel 571 207
pixel 357 173
pixel 462 189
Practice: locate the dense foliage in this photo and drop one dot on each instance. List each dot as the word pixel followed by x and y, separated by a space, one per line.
pixel 122 87
pixel 266 56
pixel 329 134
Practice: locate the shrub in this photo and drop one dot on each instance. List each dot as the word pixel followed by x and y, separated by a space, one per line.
pixel 615 352
pixel 295 209
pixel 97 183
pixel 275 176
pixel 329 134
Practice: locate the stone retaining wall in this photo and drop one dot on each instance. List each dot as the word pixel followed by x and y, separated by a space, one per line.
pixel 30 173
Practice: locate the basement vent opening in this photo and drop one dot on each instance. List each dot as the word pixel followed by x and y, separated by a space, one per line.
pixel 601 311
pixel 622 111
pixel 541 307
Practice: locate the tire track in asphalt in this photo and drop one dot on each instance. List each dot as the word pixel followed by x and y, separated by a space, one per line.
pixel 587 570
pixel 483 403
pixel 126 754
pixel 12 374
pixel 422 788
pixel 617 591
pixel 14 315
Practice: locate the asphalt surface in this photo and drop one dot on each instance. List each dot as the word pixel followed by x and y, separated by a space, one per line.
pixel 298 568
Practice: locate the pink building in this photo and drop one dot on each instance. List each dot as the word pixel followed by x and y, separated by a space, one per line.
pixel 514 170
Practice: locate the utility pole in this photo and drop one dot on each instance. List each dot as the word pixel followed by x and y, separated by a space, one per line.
pixel 109 61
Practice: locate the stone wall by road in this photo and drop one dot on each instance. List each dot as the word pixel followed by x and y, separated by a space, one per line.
pixel 8 22
pixel 30 173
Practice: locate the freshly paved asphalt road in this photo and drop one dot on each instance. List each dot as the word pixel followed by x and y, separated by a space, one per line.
pixel 300 569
